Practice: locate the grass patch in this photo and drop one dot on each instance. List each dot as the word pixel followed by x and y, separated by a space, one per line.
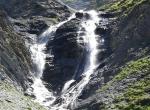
pixel 124 7
pixel 136 97
pixel 132 68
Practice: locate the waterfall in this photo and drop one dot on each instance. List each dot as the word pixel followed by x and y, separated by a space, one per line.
pixel 69 94
pixel 38 57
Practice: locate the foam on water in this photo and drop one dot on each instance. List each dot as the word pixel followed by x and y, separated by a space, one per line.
pixel 43 96
pixel 69 94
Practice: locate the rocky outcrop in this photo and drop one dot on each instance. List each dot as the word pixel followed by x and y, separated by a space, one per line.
pixel 121 80
pixel 67 54
pixel 86 4
pixel 129 41
pixel 80 4
pixel 34 16
pixel 14 56
pixel 20 24
pixel 15 66
pixel 20 20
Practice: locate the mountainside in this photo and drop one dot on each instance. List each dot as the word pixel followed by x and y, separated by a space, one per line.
pixel 86 4
pixel 120 79
pixel 19 21
pixel 79 4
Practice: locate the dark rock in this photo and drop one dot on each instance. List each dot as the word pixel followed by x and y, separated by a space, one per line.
pixel 2 77
pixel 9 101
pixel 79 15
pixel 87 16
pixel 80 4
pixel 30 79
pixel 34 16
pixel 126 33
pixel 29 94
pixel 68 54
pixel 15 58
pixel 18 20
pixel 58 101
pixel 101 31
pixel 37 26
pixel 107 15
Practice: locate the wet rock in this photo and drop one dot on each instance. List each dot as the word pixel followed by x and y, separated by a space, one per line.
pixel 29 92
pixel 127 33
pixel 15 58
pixel 2 78
pixel 37 26
pixel 67 55
pixel 107 15
pixel 34 16
pixel 58 101
pixel 9 101
pixel 101 31
pixel 22 21
pixel 87 16
pixel 80 4
pixel 79 15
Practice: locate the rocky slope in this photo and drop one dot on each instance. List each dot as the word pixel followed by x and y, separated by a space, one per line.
pixel 122 80
pixel 80 4
pixel 20 23
pixel 15 65
pixel 86 4
pixel 33 17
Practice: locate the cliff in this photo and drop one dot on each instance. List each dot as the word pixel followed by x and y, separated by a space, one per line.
pixel 122 80
pixel 19 21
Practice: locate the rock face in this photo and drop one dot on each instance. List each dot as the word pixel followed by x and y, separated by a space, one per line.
pixel 121 81
pixel 67 54
pixel 80 4
pixel 14 56
pixel 129 42
pixel 20 23
pixel 34 16
pixel 86 4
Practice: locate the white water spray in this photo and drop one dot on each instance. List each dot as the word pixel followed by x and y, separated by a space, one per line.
pixel 43 96
pixel 69 94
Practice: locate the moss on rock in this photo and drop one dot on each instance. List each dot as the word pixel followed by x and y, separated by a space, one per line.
pixel 13 99
pixel 122 6
pixel 136 96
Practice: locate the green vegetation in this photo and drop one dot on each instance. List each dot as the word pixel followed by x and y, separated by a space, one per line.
pixel 130 88
pixel 123 6
pixel 137 95
pixel 132 68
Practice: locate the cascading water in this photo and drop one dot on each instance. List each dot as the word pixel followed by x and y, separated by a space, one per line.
pixel 69 94
pixel 38 56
